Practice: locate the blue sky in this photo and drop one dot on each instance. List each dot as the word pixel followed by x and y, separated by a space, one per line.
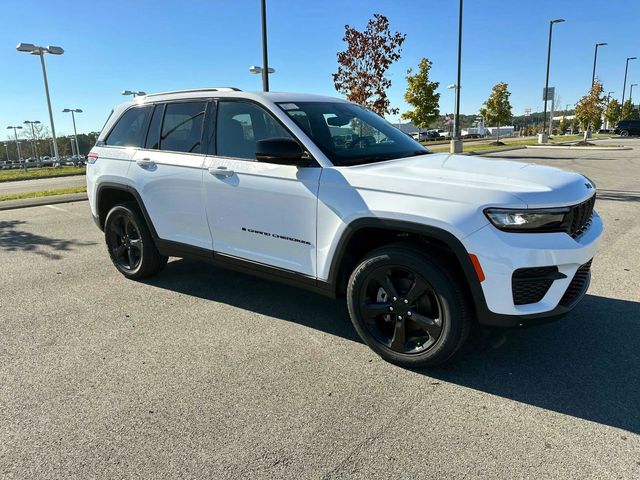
pixel 168 44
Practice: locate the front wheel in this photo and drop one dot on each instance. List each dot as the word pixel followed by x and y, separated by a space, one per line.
pixel 624 133
pixel 408 306
pixel 130 244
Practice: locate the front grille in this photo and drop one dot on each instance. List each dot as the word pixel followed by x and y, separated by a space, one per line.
pixel 578 285
pixel 579 219
pixel 530 285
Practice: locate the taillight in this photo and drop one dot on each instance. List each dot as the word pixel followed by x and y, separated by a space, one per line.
pixel 92 158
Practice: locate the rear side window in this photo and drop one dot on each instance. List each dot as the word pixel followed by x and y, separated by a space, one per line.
pixel 182 127
pixel 130 129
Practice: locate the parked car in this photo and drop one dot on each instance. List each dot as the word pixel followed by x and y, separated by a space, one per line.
pixel 626 128
pixel 422 245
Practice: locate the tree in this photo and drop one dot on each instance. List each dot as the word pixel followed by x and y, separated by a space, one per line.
pixel 589 109
pixel 497 108
pixel 613 111
pixel 563 125
pixel 421 94
pixel 362 66
pixel 628 112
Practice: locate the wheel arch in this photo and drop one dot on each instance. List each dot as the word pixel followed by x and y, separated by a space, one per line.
pixel 351 248
pixel 109 194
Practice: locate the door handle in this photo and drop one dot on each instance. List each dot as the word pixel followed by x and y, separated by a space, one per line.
pixel 145 162
pixel 221 171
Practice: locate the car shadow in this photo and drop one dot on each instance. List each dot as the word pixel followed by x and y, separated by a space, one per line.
pixel 13 237
pixel 585 365
pixel 619 195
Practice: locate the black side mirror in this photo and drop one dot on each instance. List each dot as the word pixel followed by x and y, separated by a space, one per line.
pixel 283 151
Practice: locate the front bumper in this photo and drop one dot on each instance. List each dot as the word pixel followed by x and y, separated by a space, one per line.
pixel 502 253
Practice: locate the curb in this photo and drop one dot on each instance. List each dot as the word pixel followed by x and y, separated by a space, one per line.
pixel 7 180
pixel 577 147
pixel 494 150
pixel 40 201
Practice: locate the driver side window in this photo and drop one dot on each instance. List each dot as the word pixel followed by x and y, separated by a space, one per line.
pixel 239 125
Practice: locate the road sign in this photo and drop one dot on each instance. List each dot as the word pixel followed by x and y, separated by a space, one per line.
pixel 548 94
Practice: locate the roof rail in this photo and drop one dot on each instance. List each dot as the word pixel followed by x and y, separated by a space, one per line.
pixel 210 89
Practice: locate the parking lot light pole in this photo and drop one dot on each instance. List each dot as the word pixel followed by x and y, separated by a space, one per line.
pixel 543 138
pixel 456 142
pixel 15 133
pixel 265 56
pixel 6 149
pixel 624 85
pixel 75 133
pixel 40 51
pixel 595 59
pixel 33 136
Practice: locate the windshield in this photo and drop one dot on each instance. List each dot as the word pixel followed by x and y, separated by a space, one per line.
pixel 349 134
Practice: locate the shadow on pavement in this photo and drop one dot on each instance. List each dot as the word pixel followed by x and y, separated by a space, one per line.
pixel 585 365
pixel 14 239
pixel 619 195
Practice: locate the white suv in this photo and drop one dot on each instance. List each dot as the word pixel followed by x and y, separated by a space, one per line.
pixel 326 195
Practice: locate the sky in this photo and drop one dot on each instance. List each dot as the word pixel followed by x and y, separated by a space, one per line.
pixel 165 45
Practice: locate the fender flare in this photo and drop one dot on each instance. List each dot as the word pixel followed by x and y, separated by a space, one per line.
pixel 132 191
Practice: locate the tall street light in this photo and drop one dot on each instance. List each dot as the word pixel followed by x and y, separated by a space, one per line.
pixel 626 67
pixel 595 59
pixel 135 93
pixel 15 132
pixel 40 51
pixel 75 133
pixel 456 142
pixel 543 138
pixel 631 92
pixel 33 136
pixel 265 56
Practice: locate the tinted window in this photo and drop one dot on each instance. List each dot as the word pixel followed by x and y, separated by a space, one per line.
pixel 240 125
pixel 350 134
pixel 153 136
pixel 182 127
pixel 130 131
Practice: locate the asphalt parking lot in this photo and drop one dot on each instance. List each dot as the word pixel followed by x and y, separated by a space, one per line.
pixel 205 373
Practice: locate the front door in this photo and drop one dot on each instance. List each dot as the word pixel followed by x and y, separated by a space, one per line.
pixel 261 212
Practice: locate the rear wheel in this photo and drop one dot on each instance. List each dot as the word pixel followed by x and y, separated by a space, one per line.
pixel 408 307
pixel 130 244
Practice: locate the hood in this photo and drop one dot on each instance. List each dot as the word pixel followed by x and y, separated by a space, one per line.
pixel 472 179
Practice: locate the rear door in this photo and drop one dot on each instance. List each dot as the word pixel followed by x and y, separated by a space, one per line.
pixel 261 212
pixel 168 173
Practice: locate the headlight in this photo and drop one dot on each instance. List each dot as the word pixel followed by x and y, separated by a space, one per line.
pixel 543 220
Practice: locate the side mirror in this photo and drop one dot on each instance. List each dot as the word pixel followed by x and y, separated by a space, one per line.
pixel 283 151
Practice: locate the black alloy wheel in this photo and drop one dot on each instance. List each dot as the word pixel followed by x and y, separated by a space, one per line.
pixel 401 309
pixel 124 241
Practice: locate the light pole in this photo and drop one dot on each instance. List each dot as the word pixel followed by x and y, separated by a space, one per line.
pixel 6 149
pixel 15 132
pixel 543 138
pixel 265 56
pixel 626 67
pixel 33 136
pixel 595 59
pixel 75 133
pixel 259 70
pixel 134 93
pixel 455 103
pixel 40 51
pixel 456 142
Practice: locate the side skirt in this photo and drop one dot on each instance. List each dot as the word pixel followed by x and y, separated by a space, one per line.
pixel 175 249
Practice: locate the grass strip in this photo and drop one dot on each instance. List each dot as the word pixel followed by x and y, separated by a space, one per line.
pixel 44 172
pixel 44 193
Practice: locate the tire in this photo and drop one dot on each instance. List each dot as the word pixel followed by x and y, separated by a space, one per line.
pixel 624 133
pixel 408 328
pixel 130 244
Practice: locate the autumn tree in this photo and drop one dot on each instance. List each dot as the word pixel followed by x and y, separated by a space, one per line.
pixel 362 66
pixel 589 109
pixel 628 112
pixel 612 112
pixel 421 94
pixel 497 108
